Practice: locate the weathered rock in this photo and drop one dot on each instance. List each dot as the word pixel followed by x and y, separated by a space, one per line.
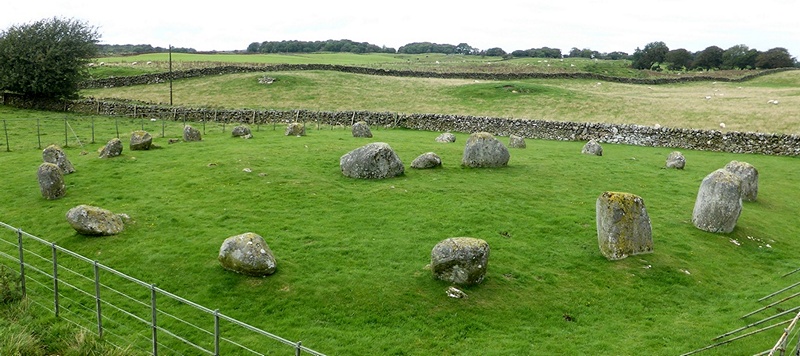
pixel 361 129
pixel 719 202
pixel 55 155
pixel 592 148
pixel 749 176
pixel 484 150
pixel 191 134
pixel 460 260
pixel 141 141
pixel 94 221
pixel 676 160
pixel 51 181
pixel 372 161
pixel 427 160
pixel 296 129
pixel 446 138
pixel 515 141
pixel 241 131
pixel 623 225
pixel 247 254
pixel 112 149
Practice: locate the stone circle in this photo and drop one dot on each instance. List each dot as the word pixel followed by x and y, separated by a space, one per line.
pixel 112 149
pixel 719 202
pixel 140 141
pixel 592 148
pixel 242 131
pixel 460 260
pixel 247 254
pixel 675 160
pixel 295 129
pixel 372 161
pixel 749 176
pixel 191 134
pixel 56 155
pixel 623 225
pixel 361 129
pixel 484 150
pixel 94 221
pixel 427 160
pixel 51 181
pixel 515 141
pixel 446 138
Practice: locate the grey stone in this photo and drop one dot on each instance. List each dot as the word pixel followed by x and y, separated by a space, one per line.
pixel 460 260
pixel 51 181
pixel 191 134
pixel 241 131
pixel 592 148
pixel 247 254
pixel 515 141
pixel 54 154
pixel 361 129
pixel 427 160
pixel 112 149
pixel 295 129
pixel 676 160
pixel 446 138
pixel 484 150
pixel 141 141
pixel 719 202
pixel 749 176
pixel 93 221
pixel 372 161
pixel 623 225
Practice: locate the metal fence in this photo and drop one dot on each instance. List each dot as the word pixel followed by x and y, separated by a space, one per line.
pixel 126 311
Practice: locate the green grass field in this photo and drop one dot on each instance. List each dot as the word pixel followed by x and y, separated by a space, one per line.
pixel 352 253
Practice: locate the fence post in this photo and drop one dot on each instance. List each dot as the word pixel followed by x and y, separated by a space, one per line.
pixel 66 138
pixel 162 125
pixel 38 133
pixel 21 262
pixel 154 325
pixel 93 130
pixel 97 299
pixel 55 279
pixel 8 146
pixel 298 348
pixel 116 125
pixel 216 332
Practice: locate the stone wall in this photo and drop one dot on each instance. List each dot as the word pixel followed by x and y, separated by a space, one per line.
pixel 707 140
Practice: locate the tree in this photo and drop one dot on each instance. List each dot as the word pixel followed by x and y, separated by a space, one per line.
pixel 775 58
pixel 495 52
pixel 678 59
pixel 709 58
pixel 46 58
pixel 253 47
pixel 739 57
pixel 651 56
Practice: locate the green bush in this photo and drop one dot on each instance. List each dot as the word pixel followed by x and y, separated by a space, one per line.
pixel 10 286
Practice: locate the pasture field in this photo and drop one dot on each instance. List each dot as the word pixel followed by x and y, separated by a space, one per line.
pixel 351 254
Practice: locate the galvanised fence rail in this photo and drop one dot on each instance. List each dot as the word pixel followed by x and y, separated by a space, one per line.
pixel 125 311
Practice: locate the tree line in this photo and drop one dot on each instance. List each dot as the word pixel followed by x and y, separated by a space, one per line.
pixel 118 49
pixel 658 56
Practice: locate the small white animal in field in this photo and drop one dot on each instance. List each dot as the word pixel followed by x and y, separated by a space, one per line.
pixel 773 102
pixel 149 62
pixel 134 63
pixel 708 97
pixel 722 125
pixel 152 119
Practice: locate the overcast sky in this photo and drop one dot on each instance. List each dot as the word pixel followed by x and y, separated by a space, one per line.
pixel 604 26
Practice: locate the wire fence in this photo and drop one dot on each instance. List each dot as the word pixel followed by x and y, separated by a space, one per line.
pixel 125 311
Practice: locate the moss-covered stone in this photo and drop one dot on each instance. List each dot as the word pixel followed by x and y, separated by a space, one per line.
pixel 94 221
pixel 247 254
pixel 460 260
pixel 623 225
pixel 51 181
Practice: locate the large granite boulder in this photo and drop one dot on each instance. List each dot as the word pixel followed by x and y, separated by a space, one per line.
pixel 427 160
pixel 247 254
pixel 372 161
pixel 719 202
pixel 242 131
pixel 460 260
pixel 191 134
pixel 112 149
pixel 484 150
pixel 296 129
pixel 141 141
pixel 592 148
pixel 446 138
pixel 676 160
pixel 515 141
pixel 51 181
pixel 55 155
pixel 749 176
pixel 94 221
pixel 361 129
pixel 623 226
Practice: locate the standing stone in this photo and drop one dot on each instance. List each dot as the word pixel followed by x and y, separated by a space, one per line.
pixel 191 134
pixel 719 202
pixel 247 254
pixel 484 150
pixel 749 176
pixel 676 160
pixel 427 160
pixel 460 260
pixel 242 131
pixel 140 141
pixel 51 181
pixel 592 148
pixel 446 138
pixel 373 161
pixel 623 226
pixel 515 141
pixel 296 129
pixel 112 149
pixel 93 221
pixel 361 129
pixel 54 154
